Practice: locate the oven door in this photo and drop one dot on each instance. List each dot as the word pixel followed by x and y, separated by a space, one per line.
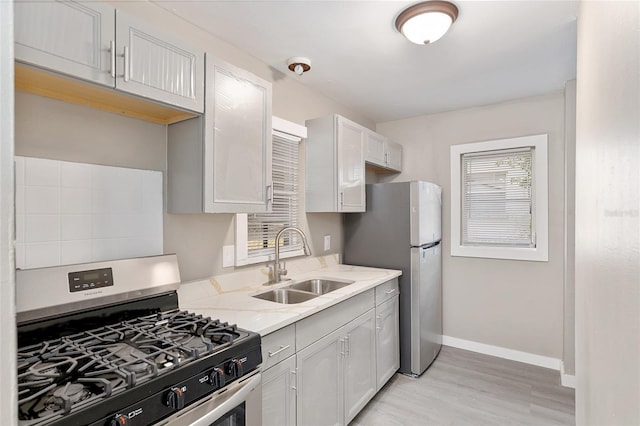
pixel 239 404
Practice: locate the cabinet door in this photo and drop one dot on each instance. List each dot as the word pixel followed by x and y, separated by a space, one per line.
pixel 320 382
pixel 393 155
pixel 360 364
pixel 350 151
pixel 375 148
pixel 387 340
pixel 237 141
pixel 156 66
pixel 67 37
pixel 279 394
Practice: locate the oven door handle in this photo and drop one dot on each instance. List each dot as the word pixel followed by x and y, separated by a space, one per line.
pixel 230 403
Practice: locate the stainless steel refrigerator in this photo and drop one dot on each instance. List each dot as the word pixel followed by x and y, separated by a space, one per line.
pixel 401 229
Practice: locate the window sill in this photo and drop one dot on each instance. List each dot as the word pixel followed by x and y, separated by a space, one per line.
pixel 507 253
pixel 268 258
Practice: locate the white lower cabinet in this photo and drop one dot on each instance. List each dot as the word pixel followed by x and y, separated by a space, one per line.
pixel 342 359
pixel 279 394
pixel 360 364
pixel 387 340
pixel 336 375
pixel 320 378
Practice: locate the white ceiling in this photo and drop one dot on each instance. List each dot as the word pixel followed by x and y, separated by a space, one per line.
pixel 495 51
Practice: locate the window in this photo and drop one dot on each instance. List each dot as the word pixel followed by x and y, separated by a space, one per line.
pixel 256 232
pixel 499 199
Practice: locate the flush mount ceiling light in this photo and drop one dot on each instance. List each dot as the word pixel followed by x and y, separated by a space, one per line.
pixel 299 64
pixel 426 22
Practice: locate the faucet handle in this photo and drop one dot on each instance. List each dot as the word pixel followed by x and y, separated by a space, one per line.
pixel 283 270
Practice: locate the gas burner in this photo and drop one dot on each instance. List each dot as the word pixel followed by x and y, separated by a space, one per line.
pixel 169 359
pixel 129 358
pixel 71 393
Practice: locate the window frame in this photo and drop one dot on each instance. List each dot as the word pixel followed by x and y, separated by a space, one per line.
pixel 288 130
pixel 538 253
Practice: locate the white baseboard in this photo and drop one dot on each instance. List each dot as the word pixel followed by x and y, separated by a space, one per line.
pixel 500 352
pixel 567 380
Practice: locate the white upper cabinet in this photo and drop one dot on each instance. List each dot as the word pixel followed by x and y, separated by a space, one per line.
pixel 237 140
pixel 382 152
pixel 335 179
pixel 375 149
pixel 394 155
pixel 94 42
pixel 157 66
pixel 221 162
pixel 68 37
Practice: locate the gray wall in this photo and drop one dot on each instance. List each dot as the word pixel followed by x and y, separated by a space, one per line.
pixel 52 129
pixel 607 214
pixel 505 303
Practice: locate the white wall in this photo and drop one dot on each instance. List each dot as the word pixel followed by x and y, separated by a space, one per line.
pixel 52 129
pixel 607 214
pixel 8 403
pixel 510 304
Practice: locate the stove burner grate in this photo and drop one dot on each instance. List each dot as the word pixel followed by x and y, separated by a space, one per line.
pixel 72 372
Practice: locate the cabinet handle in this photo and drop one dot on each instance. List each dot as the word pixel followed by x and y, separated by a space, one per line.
pixel 112 55
pixel 293 374
pixel 342 347
pixel 393 290
pixel 386 158
pixel 341 198
pixel 126 63
pixel 282 348
pixel 269 194
pixel 347 345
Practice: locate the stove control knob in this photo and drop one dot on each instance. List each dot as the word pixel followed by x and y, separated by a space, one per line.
pixel 119 420
pixel 235 368
pixel 217 378
pixel 175 398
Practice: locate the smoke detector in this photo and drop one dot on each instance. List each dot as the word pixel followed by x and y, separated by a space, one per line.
pixel 299 64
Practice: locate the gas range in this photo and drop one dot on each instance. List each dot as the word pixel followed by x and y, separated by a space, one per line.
pixel 131 362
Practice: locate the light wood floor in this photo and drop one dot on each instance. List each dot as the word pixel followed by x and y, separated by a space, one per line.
pixel 466 388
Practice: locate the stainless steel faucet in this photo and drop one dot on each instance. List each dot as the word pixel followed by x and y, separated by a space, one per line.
pixel 277 270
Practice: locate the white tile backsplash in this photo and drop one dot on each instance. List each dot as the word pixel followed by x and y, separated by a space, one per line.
pixel 76 175
pixel 78 251
pixel 75 227
pixel 39 255
pixel 75 200
pixel 20 207
pixel 41 228
pixel 42 200
pixel 41 172
pixel 85 212
pixel 107 248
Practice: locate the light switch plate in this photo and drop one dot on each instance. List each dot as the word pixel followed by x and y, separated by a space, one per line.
pixel 327 242
pixel 228 256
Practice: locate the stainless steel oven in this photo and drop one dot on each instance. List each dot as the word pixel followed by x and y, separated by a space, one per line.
pixel 104 344
pixel 240 404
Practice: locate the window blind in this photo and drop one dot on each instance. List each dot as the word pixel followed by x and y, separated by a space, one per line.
pixel 263 227
pixel 497 198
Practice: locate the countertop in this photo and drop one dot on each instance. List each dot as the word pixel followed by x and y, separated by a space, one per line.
pixel 228 297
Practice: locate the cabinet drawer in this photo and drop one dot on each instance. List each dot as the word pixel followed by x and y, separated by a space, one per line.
pixel 278 346
pixel 386 291
pixel 324 322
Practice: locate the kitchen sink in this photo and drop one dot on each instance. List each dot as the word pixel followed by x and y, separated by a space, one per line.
pixel 319 286
pixel 286 296
pixel 302 291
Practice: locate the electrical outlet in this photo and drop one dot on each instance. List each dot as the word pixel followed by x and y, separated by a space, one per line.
pixel 327 242
pixel 228 256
